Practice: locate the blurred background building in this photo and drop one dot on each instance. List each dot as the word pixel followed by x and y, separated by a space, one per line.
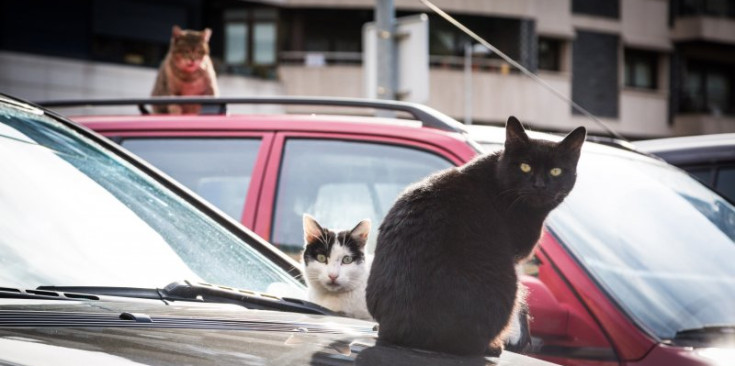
pixel 645 67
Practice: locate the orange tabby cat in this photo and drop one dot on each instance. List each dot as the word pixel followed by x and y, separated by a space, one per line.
pixel 186 70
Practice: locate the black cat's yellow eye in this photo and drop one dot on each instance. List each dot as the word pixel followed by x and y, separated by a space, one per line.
pixel 555 172
pixel 525 168
pixel 347 260
pixel 321 258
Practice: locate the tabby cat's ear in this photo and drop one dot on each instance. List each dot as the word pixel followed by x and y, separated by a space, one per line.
pixel 176 31
pixel 514 133
pixel 360 232
pixel 206 33
pixel 574 140
pixel 312 230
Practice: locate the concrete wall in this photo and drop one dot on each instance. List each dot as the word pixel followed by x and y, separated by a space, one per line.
pixel 496 96
pixel 645 24
pixel 38 78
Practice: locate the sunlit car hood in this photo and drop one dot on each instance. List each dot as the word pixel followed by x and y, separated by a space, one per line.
pixel 146 332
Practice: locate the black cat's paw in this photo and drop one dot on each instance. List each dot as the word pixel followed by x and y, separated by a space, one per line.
pixel 493 351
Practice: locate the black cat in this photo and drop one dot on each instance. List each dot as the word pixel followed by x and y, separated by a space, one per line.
pixel 443 276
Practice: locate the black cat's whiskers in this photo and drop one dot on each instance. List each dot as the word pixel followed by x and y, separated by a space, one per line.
pixel 520 198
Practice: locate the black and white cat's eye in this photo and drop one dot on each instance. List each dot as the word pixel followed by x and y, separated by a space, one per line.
pixel 321 258
pixel 526 168
pixel 347 259
pixel 555 172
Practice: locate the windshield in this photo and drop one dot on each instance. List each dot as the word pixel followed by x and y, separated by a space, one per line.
pixel 660 243
pixel 74 214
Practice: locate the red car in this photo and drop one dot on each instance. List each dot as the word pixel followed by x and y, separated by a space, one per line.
pixel 634 268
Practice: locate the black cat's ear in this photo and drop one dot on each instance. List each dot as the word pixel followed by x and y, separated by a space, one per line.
pixel 574 140
pixel 515 134
pixel 360 232
pixel 312 230
pixel 206 33
pixel 176 31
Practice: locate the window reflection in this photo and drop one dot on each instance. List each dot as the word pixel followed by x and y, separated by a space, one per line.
pixel 341 183
pixel 656 240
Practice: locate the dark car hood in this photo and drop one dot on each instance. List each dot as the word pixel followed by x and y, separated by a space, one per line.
pixel 41 332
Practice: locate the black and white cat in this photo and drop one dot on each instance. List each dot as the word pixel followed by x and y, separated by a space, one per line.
pixel 444 273
pixel 336 267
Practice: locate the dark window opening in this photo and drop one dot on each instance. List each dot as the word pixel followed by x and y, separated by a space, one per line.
pixel 250 41
pixel 601 8
pixel 549 54
pixel 318 37
pixel 717 8
pixel 708 88
pixel 447 43
pixel 641 69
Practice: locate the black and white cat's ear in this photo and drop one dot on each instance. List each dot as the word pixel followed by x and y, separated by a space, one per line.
pixel 574 140
pixel 361 231
pixel 206 33
pixel 514 132
pixel 312 230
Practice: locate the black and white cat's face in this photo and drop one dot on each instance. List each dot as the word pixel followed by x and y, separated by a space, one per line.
pixel 334 261
pixel 539 173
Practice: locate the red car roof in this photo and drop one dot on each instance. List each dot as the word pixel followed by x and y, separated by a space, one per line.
pixel 141 125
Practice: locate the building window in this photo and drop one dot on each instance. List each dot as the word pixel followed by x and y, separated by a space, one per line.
pixel 250 41
pixel 641 69
pixel 549 54
pixel 599 8
pixel 708 88
pixel 717 8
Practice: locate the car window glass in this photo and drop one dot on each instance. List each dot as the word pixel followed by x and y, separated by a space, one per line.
pixel 704 175
pixel 650 234
pixel 219 170
pixel 75 214
pixel 726 182
pixel 341 183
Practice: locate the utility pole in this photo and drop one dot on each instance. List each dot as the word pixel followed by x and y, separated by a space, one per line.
pixel 468 83
pixel 385 22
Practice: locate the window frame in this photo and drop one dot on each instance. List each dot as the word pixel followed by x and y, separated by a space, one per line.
pixel 559 45
pixel 705 70
pixel 251 197
pixel 631 58
pixel 251 18
pixel 266 203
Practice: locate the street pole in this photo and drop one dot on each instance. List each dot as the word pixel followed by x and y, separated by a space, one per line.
pixel 468 83
pixel 385 22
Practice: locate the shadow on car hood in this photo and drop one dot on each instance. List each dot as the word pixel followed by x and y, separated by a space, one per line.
pixel 34 332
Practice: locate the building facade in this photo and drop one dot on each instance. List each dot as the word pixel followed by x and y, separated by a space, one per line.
pixel 645 68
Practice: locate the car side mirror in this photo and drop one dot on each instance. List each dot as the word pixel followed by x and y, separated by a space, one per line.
pixel 550 318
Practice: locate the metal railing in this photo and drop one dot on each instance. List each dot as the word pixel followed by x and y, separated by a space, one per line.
pixel 428 117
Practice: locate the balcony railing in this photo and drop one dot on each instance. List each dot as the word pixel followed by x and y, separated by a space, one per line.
pixel 318 59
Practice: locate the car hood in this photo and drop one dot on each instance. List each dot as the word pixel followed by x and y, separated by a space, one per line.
pixel 41 332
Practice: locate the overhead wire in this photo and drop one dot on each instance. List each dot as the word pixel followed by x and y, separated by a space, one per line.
pixel 520 67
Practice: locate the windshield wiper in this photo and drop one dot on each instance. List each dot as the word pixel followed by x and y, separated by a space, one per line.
pixel 202 292
pixel 14 293
pixel 710 334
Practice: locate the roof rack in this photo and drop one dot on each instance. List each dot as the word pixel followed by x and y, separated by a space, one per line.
pixel 428 117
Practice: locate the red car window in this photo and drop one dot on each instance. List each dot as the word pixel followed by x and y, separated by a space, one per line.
pixel 218 169
pixel 342 182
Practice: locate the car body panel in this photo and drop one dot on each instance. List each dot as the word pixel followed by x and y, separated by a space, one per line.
pixel 41 332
